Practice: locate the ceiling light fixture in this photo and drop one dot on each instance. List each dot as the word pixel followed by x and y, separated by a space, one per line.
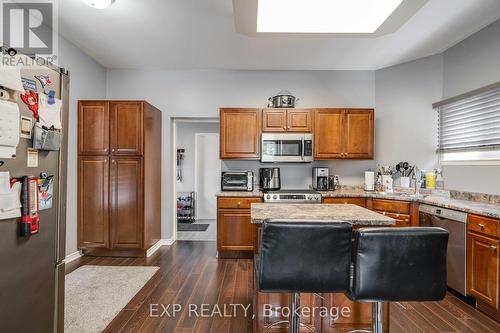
pixel 99 4
pixel 323 16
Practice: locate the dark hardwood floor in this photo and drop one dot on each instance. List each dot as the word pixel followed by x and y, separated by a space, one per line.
pixel 190 274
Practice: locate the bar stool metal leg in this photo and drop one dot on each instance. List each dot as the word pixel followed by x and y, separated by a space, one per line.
pixel 377 319
pixel 294 317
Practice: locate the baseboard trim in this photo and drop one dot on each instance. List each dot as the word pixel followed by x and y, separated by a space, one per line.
pixel 157 245
pixel 73 256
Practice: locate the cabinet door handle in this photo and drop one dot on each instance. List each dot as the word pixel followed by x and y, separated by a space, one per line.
pixel 493 248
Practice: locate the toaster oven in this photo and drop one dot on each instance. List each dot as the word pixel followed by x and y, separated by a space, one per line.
pixel 237 181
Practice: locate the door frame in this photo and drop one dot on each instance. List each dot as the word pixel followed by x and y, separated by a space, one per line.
pixel 173 161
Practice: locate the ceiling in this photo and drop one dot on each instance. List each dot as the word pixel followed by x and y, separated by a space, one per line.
pixel 201 34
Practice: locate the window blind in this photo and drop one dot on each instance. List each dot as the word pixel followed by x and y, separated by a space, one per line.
pixel 471 123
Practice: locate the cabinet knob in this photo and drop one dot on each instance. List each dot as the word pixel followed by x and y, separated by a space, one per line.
pixel 493 248
pixel 238 204
pixel 481 226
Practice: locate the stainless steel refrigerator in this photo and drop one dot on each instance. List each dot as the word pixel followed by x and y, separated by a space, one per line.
pixel 32 268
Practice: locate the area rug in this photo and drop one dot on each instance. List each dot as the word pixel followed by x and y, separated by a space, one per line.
pixel 192 227
pixel 94 295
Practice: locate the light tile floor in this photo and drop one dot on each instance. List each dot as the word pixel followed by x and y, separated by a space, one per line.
pixel 209 235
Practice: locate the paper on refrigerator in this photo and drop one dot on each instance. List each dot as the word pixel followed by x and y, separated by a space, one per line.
pixel 50 114
pixel 11 78
pixel 10 203
pixel 9 129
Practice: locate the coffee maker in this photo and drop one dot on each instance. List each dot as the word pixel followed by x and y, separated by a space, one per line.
pixel 269 179
pixel 320 179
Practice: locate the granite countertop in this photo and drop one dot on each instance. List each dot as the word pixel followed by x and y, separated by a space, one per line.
pixel 468 206
pixel 313 212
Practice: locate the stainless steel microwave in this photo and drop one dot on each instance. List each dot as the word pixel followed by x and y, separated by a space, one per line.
pixel 287 147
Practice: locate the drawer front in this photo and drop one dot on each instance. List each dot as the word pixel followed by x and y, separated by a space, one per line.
pixel 402 220
pixel 483 225
pixel 391 206
pixel 354 201
pixel 236 202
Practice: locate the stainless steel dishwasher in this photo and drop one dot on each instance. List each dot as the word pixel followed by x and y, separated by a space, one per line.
pixel 456 224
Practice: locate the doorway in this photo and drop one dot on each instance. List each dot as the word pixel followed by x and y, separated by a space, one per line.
pixel 197 178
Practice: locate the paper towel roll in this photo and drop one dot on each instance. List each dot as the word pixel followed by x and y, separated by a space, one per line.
pixel 369 180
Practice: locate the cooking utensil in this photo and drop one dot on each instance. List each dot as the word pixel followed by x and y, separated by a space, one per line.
pixel 284 99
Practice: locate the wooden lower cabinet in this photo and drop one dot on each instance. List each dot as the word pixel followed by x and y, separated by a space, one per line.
pixel 483 264
pixel 126 208
pixel 405 213
pixel 354 201
pixel 93 201
pixel 235 231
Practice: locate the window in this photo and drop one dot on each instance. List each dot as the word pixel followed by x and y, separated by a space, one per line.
pixel 469 126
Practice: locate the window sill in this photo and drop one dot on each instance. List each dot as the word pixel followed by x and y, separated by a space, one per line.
pixel 476 162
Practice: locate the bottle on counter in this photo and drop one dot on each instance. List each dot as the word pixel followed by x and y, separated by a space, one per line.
pixel 430 180
pixel 439 179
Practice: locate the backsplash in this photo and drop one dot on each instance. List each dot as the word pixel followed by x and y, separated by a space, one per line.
pixel 299 175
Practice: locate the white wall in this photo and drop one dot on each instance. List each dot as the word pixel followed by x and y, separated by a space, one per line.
pixel 200 93
pixel 406 124
pixel 472 64
pixel 87 81
pixel 185 139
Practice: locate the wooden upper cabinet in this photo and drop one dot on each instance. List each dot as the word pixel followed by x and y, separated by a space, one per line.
pixel 93 128
pixel 93 217
pixel 298 120
pixel 343 134
pixel 274 120
pixel 126 120
pixel 359 134
pixel 328 134
pixel 286 120
pixel 240 131
pixel 126 202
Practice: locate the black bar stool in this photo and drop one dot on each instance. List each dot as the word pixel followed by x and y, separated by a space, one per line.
pixel 398 264
pixel 306 256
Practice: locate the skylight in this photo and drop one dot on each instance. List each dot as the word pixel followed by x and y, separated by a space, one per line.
pixel 323 16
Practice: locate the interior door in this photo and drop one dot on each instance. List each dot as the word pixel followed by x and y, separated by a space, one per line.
pixel 328 134
pixel 359 134
pixel 207 175
pixel 126 128
pixel 93 128
pixel 126 213
pixel 93 200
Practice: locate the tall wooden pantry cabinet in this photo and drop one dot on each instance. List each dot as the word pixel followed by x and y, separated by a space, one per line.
pixel 119 177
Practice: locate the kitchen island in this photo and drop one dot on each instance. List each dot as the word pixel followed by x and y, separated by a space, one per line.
pixel 333 313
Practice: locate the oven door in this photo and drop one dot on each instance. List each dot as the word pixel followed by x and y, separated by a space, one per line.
pixel 286 147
